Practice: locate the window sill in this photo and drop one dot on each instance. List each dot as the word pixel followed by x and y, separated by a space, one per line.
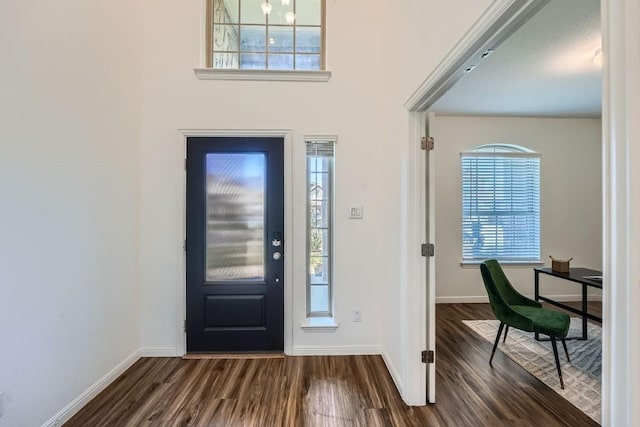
pixel 523 264
pixel 319 324
pixel 262 75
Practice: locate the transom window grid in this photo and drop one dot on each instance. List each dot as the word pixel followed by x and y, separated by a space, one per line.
pixel 320 166
pixel 501 204
pixel 290 37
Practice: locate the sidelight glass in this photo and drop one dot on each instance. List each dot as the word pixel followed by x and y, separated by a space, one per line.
pixel 235 212
pixel 320 193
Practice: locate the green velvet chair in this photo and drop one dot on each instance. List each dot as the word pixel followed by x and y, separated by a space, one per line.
pixel 514 309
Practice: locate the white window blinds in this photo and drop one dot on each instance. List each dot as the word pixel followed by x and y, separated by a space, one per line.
pixel 320 148
pixel 500 205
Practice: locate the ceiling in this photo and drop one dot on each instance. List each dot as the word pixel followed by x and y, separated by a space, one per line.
pixel 544 69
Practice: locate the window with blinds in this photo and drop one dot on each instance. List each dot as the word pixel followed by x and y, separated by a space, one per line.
pixel 500 204
pixel 320 161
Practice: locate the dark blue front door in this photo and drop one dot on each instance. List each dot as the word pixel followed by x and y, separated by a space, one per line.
pixel 235 244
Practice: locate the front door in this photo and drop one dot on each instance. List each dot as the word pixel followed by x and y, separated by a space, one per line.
pixel 235 244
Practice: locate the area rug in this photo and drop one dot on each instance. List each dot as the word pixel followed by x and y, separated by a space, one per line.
pixel 582 377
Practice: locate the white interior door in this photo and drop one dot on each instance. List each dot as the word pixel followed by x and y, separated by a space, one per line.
pixel 428 215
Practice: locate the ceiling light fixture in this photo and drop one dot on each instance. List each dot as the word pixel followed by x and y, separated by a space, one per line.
pixel 469 69
pixel 487 53
pixel 597 57
pixel 290 17
pixel 266 7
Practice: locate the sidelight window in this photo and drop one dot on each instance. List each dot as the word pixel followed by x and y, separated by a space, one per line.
pixel 320 194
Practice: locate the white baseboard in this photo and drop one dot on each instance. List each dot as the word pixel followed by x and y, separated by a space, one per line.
pixel 395 376
pixel 78 403
pixel 334 350
pixel 158 352
pixel 485 299
pixel 462 300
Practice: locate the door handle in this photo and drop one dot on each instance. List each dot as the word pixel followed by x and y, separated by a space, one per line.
pixel 277 255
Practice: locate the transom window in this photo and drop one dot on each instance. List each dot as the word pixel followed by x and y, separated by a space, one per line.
pixel 266 35
pixel 500 204
pixel 320 159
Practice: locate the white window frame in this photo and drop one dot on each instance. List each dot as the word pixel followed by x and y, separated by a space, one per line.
pixel 503 151
pixel 324 140
pixel 207 72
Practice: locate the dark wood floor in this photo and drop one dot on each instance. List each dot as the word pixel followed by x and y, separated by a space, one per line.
pixel 333 391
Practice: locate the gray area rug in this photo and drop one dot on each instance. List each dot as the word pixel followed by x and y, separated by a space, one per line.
pixel 582 377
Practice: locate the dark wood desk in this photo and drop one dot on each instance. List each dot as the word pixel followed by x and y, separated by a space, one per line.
pixel 574 275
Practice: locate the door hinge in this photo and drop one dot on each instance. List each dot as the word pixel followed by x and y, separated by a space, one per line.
pixel 185 164
pixel 428 356
pixel 184 326
pixel 428 249
pixel 184 245
pixel 427 143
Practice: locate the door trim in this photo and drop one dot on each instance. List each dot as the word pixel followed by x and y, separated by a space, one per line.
pixel 413 276
pixel 501 19
pixel 497 22
pixel 181 296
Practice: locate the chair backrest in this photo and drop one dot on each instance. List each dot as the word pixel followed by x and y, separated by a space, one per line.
pixel 501 292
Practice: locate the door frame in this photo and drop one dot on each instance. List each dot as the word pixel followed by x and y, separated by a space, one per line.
pixel 181 296
pixel 499 21
pixel 413 303
pixel 621 200
pixel 418 278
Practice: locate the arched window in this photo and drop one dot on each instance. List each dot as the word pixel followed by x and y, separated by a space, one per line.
pixel 500 204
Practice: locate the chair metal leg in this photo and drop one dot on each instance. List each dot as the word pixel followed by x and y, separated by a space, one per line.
pixel 506 331
pixel 564 344
pixel 555 354
pixel 495 344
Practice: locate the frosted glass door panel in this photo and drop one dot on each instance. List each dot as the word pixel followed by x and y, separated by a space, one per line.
pixel 235 216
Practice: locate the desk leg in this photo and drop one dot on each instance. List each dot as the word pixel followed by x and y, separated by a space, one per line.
pixel 584 311
pixel 536 293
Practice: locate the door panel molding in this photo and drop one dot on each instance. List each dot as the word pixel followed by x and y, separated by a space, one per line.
pixel 181 294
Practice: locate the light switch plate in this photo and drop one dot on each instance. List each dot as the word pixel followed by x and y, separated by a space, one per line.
pixel 355 212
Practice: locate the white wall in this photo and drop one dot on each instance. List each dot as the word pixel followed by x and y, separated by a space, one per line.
pixel 360 104
pixel 69 126
pixel 433 29
pixel 571 197
pixel 91 104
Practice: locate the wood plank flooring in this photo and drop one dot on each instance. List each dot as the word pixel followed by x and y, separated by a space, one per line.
pixel 333 390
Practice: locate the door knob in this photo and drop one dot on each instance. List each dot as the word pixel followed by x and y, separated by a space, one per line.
pixel 277 255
